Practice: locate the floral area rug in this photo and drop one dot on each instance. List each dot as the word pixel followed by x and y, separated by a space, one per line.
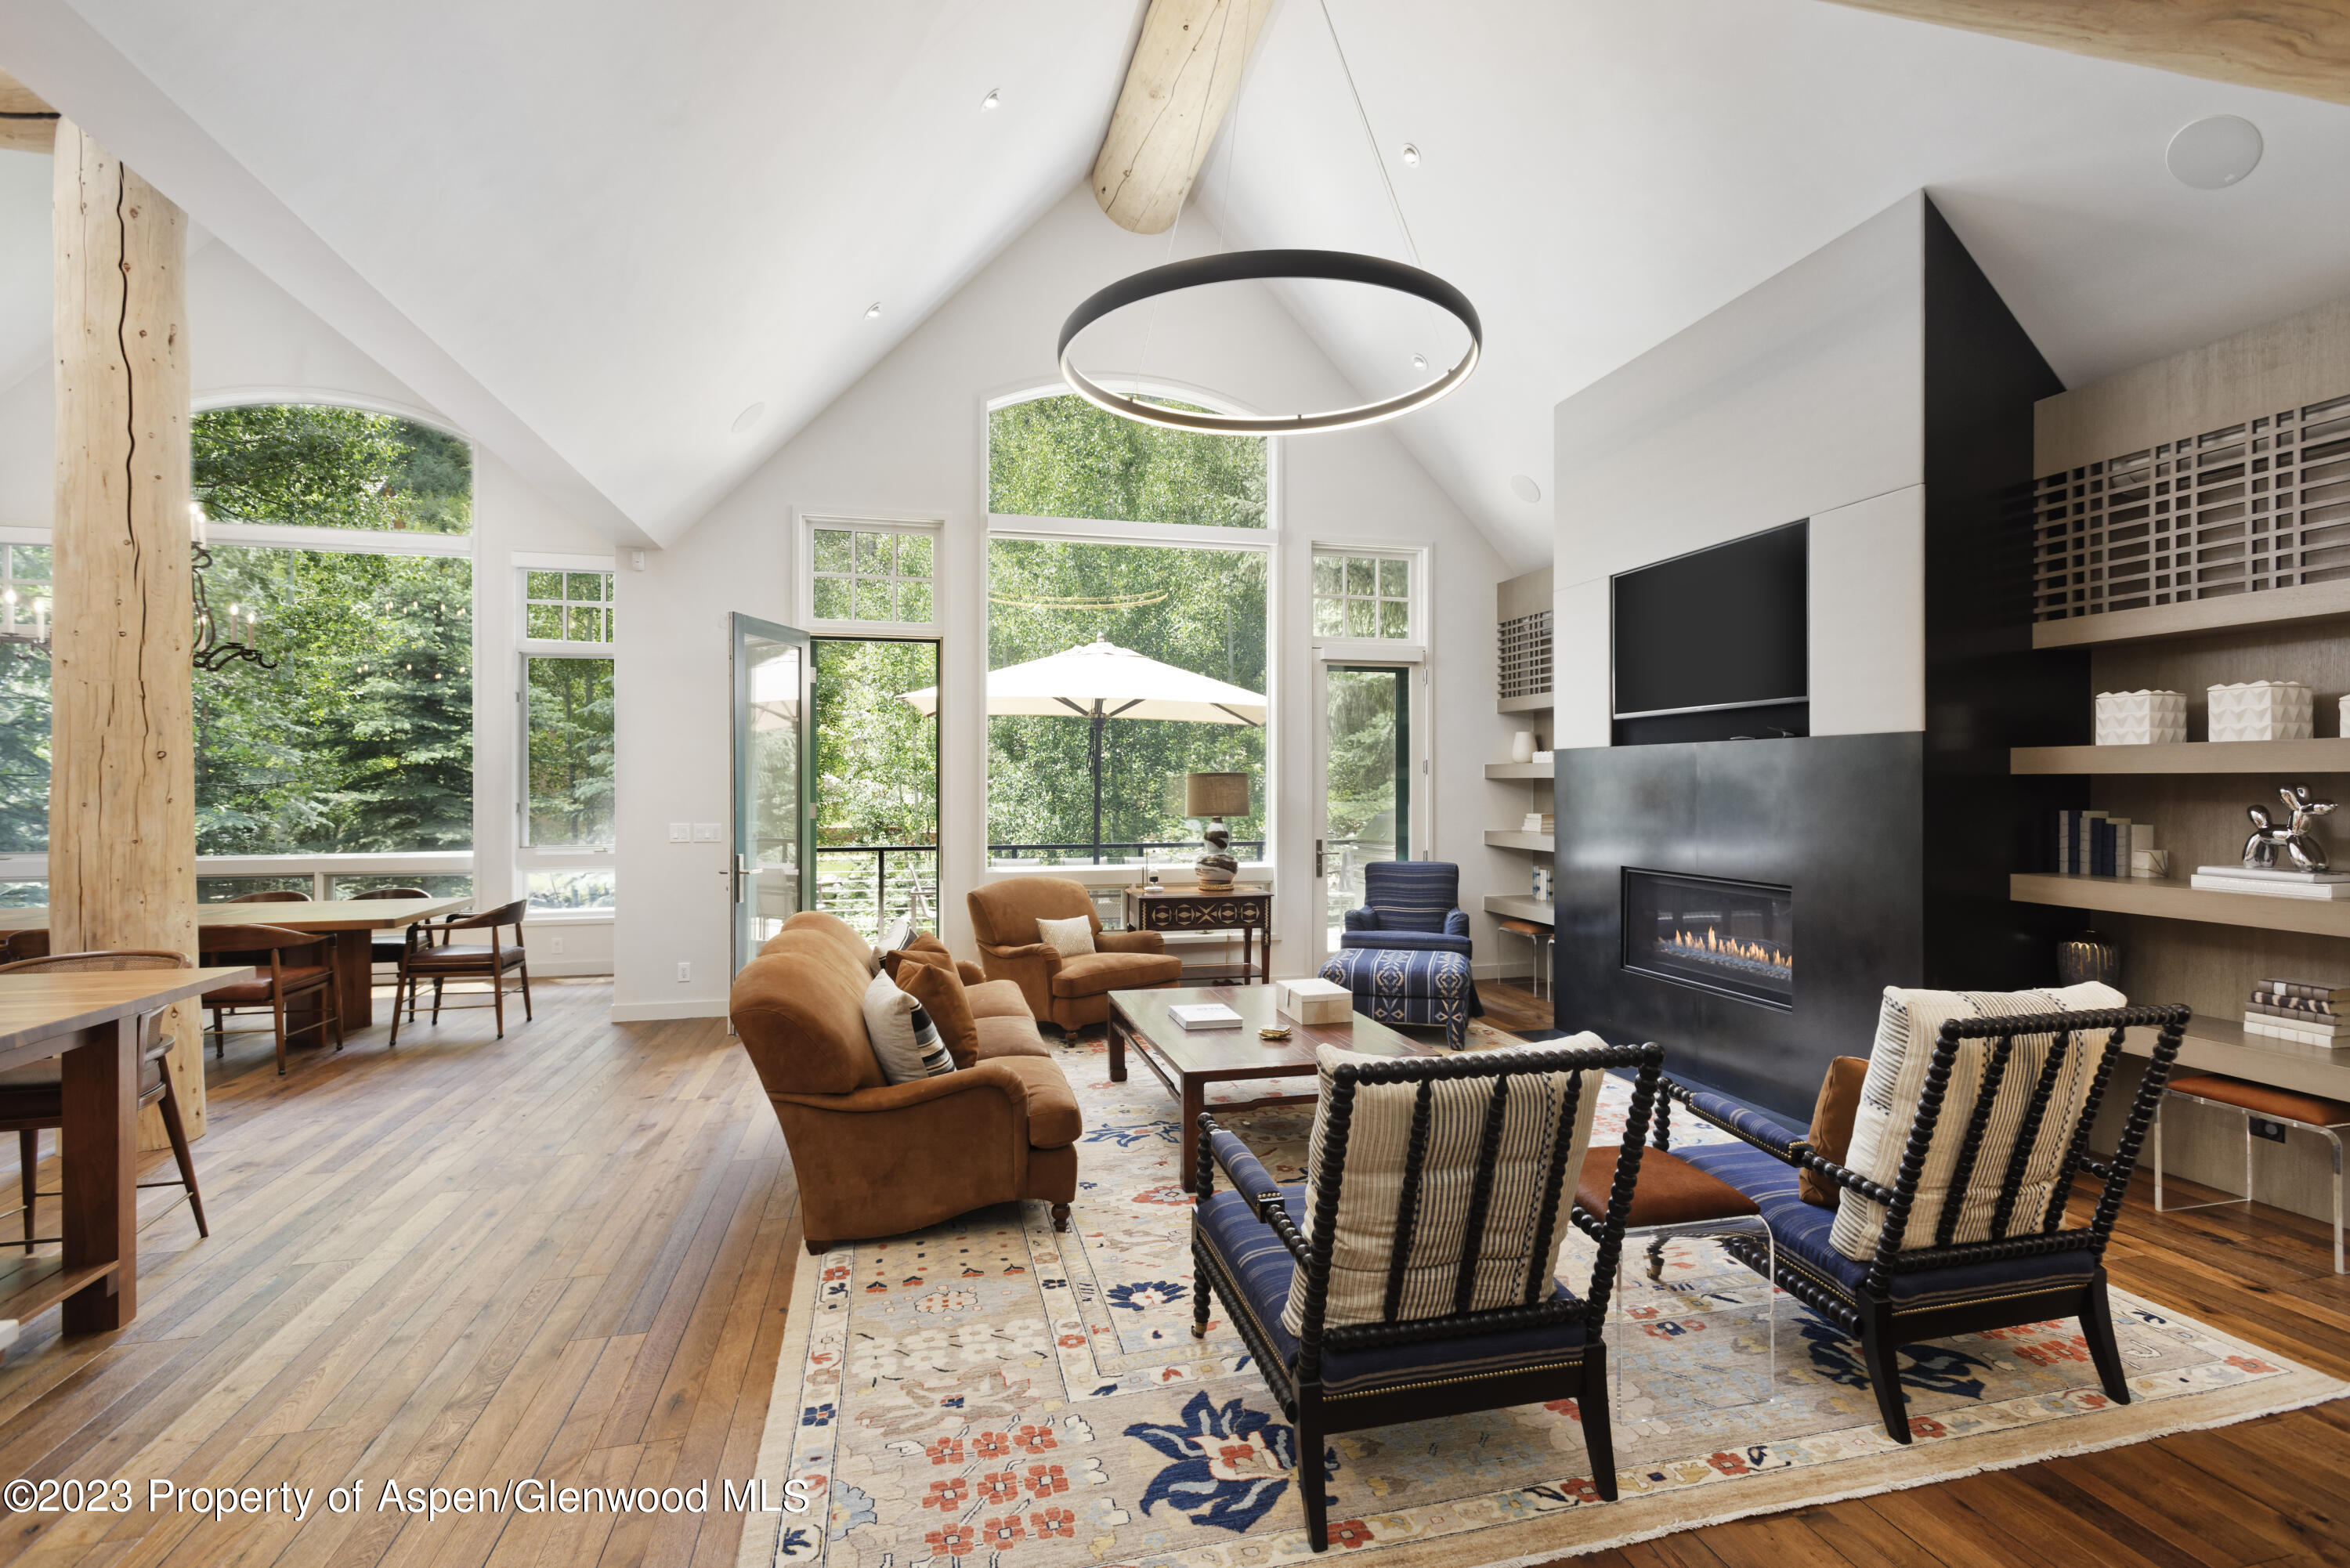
pixel 990 1394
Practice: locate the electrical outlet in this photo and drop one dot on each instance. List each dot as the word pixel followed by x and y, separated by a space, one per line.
pixel 680 833
pixel 555 946
pixel 684 974
pixel 2263 1128
pixel 705 833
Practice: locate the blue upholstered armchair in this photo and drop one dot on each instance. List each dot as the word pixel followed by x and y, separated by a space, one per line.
pixel 1410 904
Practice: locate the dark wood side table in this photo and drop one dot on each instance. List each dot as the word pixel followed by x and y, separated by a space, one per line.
pixel 1188 1060
pixel 1244 907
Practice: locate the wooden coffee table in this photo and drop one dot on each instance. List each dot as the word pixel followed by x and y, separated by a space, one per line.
pixel 1188 1060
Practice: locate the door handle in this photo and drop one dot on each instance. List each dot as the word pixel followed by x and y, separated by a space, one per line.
pixel 1321 859
pixel 741 871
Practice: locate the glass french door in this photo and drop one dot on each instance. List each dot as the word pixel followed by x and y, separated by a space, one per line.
pixel 1362 755
pixel 773 867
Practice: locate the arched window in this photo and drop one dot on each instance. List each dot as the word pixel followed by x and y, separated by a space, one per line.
pixel 1156 541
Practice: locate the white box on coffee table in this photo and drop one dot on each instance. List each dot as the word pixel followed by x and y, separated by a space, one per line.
pixel 1312 1000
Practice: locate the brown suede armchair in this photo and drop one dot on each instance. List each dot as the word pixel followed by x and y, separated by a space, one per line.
pixel 876 1158
pixel 1070 993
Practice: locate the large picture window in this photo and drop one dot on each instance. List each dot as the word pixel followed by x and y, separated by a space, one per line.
pixel 568 650
pixel 1062 457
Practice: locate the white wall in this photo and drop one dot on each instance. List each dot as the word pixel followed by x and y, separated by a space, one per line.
pixel 251 341
pixel 1802 397
pixel 907 439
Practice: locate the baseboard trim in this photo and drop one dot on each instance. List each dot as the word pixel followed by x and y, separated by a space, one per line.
pixel 571 968
pixel 656 1012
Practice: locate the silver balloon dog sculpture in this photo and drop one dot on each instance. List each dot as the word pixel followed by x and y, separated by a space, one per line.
pixel 2296 837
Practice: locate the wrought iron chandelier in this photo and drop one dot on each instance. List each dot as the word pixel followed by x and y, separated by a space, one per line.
pixel 212 650
pixel 1336 266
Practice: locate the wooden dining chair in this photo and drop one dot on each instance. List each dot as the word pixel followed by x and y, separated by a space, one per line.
pixel 284 983
pixel 33 1097
pixel 18 946
pixel 391 947
pixel 458 961
pixel 274 896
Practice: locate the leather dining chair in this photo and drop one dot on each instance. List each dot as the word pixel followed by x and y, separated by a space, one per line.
pixel 457 961
pixel 33 1097
pixel 391 947
pixel 274 896
pixel 283 983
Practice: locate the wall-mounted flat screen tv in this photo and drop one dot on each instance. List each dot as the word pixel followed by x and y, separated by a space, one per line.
pixel 1721 629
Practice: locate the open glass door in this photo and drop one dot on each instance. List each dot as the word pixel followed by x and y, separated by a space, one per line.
pixel 772 798
pixel 1362 753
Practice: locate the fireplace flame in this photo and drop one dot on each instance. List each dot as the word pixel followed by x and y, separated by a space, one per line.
pixel 1710 943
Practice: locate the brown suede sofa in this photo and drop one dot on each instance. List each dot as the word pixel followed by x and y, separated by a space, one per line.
pixel 876 1158
pixel 1070 993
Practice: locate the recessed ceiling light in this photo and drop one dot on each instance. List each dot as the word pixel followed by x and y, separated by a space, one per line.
pixel 994 97
pixel 748 417
pixel 2213 154
pixel 1419 362
pixel 873 311
pixel 1528 491
pixel 1411 154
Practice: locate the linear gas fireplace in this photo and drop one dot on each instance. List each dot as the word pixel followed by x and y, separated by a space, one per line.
pixel 1737 938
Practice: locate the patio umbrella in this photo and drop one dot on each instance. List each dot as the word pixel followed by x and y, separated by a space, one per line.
pixel 1099 681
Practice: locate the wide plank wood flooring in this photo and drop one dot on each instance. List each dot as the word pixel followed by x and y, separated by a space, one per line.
pixel 569 1254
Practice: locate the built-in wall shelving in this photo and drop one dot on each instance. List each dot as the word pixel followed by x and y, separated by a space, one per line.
pixel 1540 843
pixel 2170 899
pixel 2216 1045
pixel 1525 771
pixel 2273 607
pixel 1534 703
pixel 1526 908
pixel 2322 756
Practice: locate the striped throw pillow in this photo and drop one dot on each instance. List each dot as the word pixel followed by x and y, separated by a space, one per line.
pixel 1906 1026
pixel 905 1042
pixel 1539 1111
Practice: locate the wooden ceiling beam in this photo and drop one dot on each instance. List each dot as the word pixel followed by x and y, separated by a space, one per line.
pixel 1187 65
pixel 2299 46
pixel 26 124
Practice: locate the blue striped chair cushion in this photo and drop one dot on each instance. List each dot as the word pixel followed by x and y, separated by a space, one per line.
pixel 1402 985
pixel 1756 1125
pixel 1413 895
pixel 1241 1165
pixel 1256 1268
pixel 1408 941
pixel 1802 1229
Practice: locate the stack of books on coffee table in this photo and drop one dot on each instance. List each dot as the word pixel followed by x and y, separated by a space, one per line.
pixel 2304 1011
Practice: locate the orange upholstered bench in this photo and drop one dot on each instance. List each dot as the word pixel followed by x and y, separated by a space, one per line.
pixel 2310 1113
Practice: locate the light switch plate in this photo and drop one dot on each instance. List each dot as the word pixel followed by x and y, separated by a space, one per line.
pixel 684 974
pixel 681 832
pixel 705 833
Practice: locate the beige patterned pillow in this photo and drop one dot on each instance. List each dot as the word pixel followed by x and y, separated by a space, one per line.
pixel 1379 1135
pixel 1906 1027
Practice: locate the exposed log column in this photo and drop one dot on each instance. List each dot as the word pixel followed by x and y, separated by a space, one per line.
pixel 1186 68
pixel 122 823
pixel 26 124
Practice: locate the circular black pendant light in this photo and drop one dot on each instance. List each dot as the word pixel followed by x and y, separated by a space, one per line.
pixel 1321 267
pixel 1236 266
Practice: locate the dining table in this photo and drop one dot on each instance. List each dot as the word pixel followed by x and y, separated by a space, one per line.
pixel 93 1020
pixel 352 923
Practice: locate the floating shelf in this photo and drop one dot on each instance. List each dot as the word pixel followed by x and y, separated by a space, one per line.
pixel 2172 900
pixel 2329 756
pixel 1541 842
pixel 1519 771
pixel 1531 702
pixel 1533 910
pixel 2197 617
pixel 2216 1045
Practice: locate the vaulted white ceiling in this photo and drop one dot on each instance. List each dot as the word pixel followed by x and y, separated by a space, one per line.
pixel 595 232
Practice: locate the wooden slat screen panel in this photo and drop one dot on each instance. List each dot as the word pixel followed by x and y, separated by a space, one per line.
pixel 2261 503
pixel 1525 669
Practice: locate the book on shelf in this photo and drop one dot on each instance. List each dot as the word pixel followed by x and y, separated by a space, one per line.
pixel 2266 888
pixel 1204 1015
pixel 2315 1015
pixel 2278 1029
pixel 2307 990
pixel 2095 844
pixel 2282 875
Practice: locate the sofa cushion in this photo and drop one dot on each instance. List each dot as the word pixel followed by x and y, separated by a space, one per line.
pixel 1258 1270
pixel 1001 1036
pixel 1544 1115
pixel 1053 1118
pixel 922 948
pixel 1669 1191
pixel 1094 973
pixel 940 991
pixel 1831 1118
pixel 997 999
pixel 799 1008
pixel 1802 1230
pixel 905 1041
pixel 1906 1026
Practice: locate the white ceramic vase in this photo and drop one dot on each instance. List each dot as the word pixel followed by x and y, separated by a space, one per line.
pixel 1522 746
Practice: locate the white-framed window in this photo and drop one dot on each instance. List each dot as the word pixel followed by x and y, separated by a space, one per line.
pixel 877 574
pixel 1364 595
pixel 568 653
pixel 1160 544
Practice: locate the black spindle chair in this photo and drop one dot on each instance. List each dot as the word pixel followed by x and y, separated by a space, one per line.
pixel 1545 1344
pixel 2031 1267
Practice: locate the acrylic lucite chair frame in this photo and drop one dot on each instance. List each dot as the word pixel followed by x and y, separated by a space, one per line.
pixel 1870 1313
pixel 1581 1371
pixel 2329 1131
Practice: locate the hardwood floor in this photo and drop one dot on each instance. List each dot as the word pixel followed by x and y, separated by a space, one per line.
pixel 569 1254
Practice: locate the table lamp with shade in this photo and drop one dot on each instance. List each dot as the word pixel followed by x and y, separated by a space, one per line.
pixel 1217 797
